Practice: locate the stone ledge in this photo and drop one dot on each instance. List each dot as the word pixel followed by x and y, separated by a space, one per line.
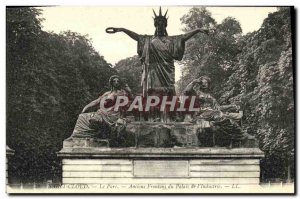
pixel 85 142
pixel 161 153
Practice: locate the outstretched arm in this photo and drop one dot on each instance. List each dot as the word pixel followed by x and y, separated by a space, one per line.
pixel 91 104
pixel 190 34
pixel 130 33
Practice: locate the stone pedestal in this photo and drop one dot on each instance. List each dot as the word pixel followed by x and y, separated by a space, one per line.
pixel 126 167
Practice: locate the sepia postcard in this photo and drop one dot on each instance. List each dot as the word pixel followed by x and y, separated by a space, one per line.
pixel 150 100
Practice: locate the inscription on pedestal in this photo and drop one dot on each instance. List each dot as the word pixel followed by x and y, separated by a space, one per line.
pixel 160 169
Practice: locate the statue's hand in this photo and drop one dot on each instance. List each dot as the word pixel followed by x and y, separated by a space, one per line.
pixel 112 30
pixel 127 88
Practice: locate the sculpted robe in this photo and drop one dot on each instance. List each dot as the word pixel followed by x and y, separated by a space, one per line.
pixel 157 55
pixel 101 120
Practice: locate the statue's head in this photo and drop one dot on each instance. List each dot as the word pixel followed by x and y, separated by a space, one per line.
pixel 114 82
pixel 160 23
pixel 205 82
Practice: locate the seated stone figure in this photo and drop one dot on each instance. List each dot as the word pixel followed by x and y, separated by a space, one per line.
pixel 103 120
pixel 223 124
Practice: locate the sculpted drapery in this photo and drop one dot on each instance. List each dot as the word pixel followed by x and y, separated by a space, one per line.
pixel 157 55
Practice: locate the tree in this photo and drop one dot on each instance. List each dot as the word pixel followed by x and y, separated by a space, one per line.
pixel 50 77
pixel 130 70
pixel 265 90
pixel 254 71
pixel 213 55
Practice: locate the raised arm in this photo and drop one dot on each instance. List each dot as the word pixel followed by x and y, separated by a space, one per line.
pixel 190 34
pixel 130 33
pixel 129 91
pixel 190 87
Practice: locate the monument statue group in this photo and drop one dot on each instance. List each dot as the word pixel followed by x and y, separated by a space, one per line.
pixel 159 134
pixel 120 110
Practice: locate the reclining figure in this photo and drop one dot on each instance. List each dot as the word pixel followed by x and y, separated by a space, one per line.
pixel 222 121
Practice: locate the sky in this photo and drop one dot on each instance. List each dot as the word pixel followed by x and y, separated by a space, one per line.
pixel 93 21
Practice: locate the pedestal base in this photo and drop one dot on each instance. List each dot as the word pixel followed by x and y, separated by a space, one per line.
pixel 126 168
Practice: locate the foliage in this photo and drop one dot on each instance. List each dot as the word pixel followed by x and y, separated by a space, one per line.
pixel 50 77
pixel 130 70
pixel 213 55
pixel 265 71
pixel 254 71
